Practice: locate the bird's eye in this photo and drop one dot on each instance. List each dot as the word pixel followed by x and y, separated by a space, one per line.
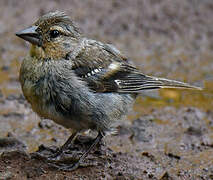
pixel 54 33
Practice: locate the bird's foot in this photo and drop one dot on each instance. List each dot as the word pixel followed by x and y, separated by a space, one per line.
pixel 65 167
pixel 56 155
pixel 69 158
pixel 49 153
pixel 44 152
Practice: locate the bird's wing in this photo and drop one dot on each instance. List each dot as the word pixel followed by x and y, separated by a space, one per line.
pixel 105 69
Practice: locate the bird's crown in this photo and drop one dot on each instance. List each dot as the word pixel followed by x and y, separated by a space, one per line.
pixel 57 18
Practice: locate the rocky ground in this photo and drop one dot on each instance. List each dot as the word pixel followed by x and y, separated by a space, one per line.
pixel 168 135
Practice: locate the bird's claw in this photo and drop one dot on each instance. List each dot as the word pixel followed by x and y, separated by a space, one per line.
pixel 55 155
pixel 70 167
pixel 48 154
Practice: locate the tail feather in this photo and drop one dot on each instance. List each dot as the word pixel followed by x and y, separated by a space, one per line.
pixel 150 82
pixel 167 83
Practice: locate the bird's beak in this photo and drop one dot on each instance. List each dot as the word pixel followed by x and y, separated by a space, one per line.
pixel 30 35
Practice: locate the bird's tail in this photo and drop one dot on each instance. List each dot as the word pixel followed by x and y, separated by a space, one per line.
pixel 150 82
pixel 167 83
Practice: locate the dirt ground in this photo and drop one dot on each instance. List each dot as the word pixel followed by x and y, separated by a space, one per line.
pixel 167 135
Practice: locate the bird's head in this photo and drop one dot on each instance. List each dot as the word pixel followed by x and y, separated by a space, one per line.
pixel 52 36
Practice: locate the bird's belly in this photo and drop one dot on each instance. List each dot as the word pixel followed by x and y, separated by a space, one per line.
pixel 89 111
pixel 48 111
pixel 42 105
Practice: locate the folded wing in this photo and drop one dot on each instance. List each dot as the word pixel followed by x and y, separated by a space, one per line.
pixel 106 70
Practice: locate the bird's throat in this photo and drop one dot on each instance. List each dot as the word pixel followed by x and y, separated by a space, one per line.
pixel 37 52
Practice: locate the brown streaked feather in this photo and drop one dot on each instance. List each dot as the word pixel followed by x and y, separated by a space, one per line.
pixel 106 70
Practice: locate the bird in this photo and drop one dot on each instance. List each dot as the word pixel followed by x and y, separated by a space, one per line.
pixel 80 83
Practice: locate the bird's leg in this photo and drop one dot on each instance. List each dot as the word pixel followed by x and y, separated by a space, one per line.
pixel 69 141
pixel 64 146
pixel 81 159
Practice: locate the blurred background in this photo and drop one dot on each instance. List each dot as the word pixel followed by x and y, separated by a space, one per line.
pixel 172 39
